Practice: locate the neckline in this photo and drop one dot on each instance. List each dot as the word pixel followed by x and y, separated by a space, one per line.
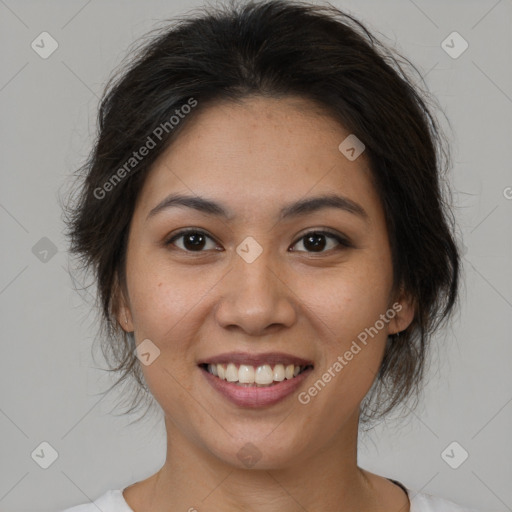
pixel 396 482
pixel 401 485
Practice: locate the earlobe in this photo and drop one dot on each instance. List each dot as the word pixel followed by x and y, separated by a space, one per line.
pixel 404 308
pixel 120 309
pixel 124 316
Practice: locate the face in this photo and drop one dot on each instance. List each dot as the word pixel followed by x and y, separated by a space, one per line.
pixel 259 285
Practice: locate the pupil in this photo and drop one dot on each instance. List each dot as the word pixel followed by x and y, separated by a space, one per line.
pixel 314 241
pixel 194 241
pixel 315 245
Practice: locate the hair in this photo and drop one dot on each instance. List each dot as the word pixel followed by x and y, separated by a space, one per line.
pixel 276 49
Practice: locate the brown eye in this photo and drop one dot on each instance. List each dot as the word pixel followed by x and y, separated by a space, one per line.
pixel 193 240
pixel 316 241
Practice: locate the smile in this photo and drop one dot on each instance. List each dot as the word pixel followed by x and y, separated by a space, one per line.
pixel 251 381
pixel 259 376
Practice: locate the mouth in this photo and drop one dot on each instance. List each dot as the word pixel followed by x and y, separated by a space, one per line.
pixel 247 375
pixel 255 380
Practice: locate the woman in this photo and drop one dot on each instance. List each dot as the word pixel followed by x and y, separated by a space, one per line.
pixel 264 216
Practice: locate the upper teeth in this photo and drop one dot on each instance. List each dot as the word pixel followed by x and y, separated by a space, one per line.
pixel 247 374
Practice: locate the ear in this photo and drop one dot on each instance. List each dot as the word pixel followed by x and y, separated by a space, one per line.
pixel 121 307
pixel 404 306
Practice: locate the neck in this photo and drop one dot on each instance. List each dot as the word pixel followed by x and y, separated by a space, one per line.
pixel 328 479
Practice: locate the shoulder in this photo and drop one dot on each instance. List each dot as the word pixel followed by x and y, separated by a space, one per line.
pixel 421 502
pixel 110 501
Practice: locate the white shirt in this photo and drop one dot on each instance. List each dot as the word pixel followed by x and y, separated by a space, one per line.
pixel 113 501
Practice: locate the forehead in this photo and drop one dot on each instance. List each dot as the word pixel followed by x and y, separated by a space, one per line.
pixel 258 155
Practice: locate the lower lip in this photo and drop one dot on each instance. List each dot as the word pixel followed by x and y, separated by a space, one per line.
pixel 253 397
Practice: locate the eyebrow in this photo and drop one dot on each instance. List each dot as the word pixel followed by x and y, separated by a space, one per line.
pixel 296 209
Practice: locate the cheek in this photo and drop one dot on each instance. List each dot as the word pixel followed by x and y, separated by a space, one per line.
pixel 350 298
pixel 162 298
pixel 165 311
pixel 349 303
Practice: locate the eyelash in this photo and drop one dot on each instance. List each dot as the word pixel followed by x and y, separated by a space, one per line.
pixel 344 243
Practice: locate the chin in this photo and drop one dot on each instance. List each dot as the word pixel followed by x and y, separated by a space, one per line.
pixel 260 451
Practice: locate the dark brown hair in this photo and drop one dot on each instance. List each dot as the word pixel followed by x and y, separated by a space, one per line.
pixel 275 49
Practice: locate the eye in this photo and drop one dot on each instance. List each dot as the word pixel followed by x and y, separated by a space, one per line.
pixel 315 241
pixel 194 240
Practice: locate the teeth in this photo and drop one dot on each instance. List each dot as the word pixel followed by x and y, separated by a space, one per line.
pixel 246 374
pixel 263 375
pixel 278 372
pixel 231 373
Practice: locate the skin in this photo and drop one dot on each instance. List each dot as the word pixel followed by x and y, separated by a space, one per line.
pixel 254 158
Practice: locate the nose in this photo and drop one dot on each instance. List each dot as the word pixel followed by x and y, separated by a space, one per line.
pixel 255 297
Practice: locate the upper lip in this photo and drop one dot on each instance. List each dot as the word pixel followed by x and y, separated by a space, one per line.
pixel 271 358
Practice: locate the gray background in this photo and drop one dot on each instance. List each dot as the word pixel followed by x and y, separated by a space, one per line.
pixel 49 380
